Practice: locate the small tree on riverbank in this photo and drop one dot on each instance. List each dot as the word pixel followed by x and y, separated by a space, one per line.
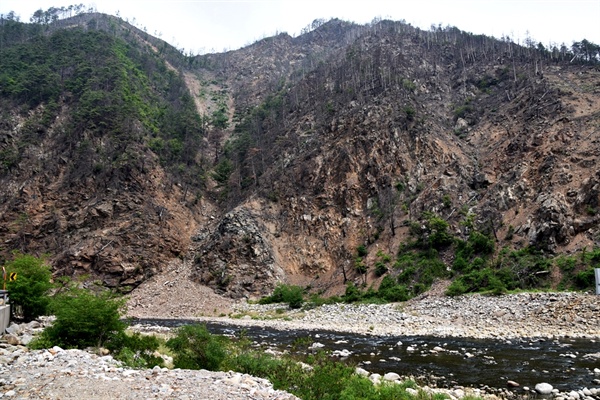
pixel 84 319
pixel 29 291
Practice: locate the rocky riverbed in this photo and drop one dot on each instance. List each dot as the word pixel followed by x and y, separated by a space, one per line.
pixel 531 315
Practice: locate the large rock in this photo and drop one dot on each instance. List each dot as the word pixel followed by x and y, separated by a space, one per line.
pixel 551 222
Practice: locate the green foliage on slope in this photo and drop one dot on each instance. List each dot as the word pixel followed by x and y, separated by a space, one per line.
pixel 120 99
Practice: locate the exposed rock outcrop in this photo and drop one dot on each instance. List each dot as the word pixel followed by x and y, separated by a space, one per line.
pixel 237 259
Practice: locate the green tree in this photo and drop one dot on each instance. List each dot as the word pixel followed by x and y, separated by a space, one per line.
pixel 222 172
pixel 29 292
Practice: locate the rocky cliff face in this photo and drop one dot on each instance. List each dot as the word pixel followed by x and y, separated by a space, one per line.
pixel 399 122
pixel 312 146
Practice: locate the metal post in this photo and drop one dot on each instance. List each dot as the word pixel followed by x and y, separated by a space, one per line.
pixel 597 273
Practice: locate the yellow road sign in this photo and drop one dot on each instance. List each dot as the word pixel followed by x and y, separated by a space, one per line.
pixel 13 276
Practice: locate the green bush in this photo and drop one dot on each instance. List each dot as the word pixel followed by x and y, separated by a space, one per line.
pixel 136 350
pixel 396 293
pixel 457 288
pixel 439 237
pixel 360 266
pixel 291 294
pixel 585 279
pixel 255 363
pixel 361 251
pixel 84 319
pixel 29 291
pixel 317 300
pixel 476 281
pixel 326 380
pixel 196 348
pixel 380 268
pixel 222 171
pixel 481 243
pixel 529 267
pixel 352 294
pixel 460 264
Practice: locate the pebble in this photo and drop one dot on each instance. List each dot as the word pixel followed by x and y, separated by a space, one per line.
pixel 544 388
pixel 391 376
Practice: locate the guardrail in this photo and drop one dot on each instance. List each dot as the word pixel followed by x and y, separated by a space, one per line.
pixel 4 311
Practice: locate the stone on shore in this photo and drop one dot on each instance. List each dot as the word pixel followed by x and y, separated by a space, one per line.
pixel 391 376
pixel 543 388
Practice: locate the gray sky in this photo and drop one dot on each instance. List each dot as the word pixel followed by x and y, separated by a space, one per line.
pixel 203 26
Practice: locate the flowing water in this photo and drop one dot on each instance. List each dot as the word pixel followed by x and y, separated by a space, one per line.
pixel 447 361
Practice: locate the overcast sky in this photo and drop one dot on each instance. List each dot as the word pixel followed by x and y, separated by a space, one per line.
pixel 200 26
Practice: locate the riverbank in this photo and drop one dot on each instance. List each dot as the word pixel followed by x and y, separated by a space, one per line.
pixel 173 295
pixel 521 315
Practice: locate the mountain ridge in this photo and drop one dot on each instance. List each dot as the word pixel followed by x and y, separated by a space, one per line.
pixel 299 151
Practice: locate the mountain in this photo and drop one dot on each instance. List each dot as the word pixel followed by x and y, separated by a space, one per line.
pixel 351 153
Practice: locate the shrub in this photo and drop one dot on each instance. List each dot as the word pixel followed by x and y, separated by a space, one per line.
pixel 476 281
pixel 439 236
pixel 352 294
pixel 585 279
pixel 317 300
pixel 254 363
pixel 358 388
pixel 481 243
pixel 528 267
pixel 223 171
pixel 196 348
pixel 326 380
pixel 30 290
pixel 460 264
pixel 85 319
pixel 396 293
pixel 361 251
pixel 290 294
pixel 360 266
pixel 380 268
pixel 457 288
pixel 136 350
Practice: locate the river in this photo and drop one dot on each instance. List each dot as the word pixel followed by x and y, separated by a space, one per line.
pixel 566 364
